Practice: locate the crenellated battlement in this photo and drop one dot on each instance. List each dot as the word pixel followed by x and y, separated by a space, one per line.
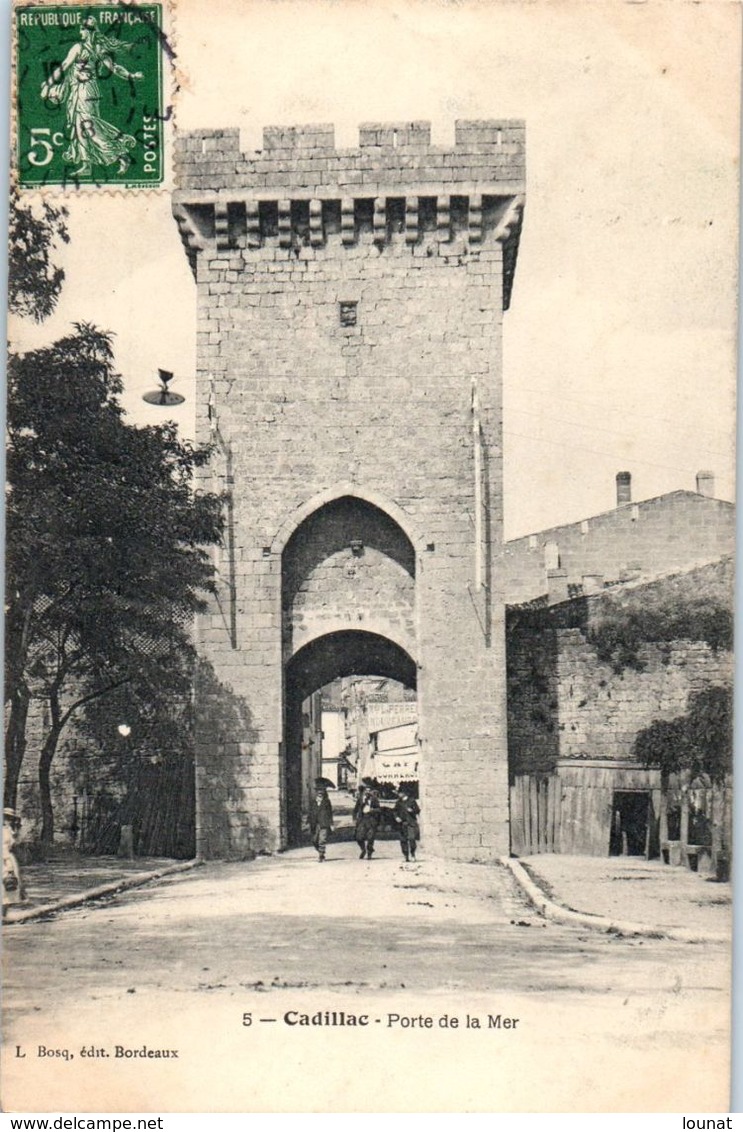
pixel 390 155
pixel 300 191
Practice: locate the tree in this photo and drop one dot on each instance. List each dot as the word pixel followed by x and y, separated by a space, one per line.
pixel 133 759
pixel 34 280
pixel 665 744
pixel 625 625
pixel 710 718
pixel 34 286
pixel 698 748
pixel 700 741
pixel 105 543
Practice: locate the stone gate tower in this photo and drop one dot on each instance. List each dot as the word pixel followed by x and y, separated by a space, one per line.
pixel 350 306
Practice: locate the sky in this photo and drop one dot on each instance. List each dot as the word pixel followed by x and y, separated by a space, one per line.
pixel 620 344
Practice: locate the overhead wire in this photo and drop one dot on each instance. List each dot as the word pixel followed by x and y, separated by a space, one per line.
pixel 625 412
pixel 613 431
pixel 597 451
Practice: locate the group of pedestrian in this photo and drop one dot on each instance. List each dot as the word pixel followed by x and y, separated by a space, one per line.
pixel 367 816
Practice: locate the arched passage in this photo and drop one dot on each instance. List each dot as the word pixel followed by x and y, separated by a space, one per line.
pixel 342 653
pixel 348 594
pixel 347 565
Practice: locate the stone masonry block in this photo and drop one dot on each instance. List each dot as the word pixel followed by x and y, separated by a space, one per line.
pixel 299 137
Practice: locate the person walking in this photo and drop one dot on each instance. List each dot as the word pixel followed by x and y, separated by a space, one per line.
pixel 406 812
pixel 14 891
pixel 367 813
pixel 321 818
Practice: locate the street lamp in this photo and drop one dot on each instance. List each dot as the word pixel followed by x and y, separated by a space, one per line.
pixel 163 396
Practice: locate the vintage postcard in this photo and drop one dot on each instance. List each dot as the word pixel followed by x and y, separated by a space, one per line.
pixel 370 523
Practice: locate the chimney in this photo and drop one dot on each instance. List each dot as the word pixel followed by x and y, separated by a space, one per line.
pixel 557 586
pixel 624 488
pixel 706 484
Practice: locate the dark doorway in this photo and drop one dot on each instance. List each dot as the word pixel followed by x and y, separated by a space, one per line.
pixel 345 653
pixel 631 824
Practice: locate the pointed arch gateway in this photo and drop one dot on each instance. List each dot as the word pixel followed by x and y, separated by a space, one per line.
pixel 346 489
pixel 348 577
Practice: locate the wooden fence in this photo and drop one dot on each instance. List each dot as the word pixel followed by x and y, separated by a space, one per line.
pixel 535 814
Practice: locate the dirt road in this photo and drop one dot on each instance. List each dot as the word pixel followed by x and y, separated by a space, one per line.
pixel 196 963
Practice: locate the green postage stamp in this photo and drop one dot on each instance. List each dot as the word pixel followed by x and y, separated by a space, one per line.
pixel 89 95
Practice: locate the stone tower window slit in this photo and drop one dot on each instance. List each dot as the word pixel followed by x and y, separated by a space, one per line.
pixel 427 214
pixel 478 493
pixel 364 215
pixel 300 221
pixel 348 313
pixel 331 217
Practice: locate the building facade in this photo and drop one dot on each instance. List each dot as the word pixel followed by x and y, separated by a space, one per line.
pixel 646 538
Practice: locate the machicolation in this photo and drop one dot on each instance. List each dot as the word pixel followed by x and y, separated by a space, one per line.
pixel 395 186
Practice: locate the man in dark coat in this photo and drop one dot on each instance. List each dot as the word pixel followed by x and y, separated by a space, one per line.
pixel 367 813
pixel 406 812
pixel 320 815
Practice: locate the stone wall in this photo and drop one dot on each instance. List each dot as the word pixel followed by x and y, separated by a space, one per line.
pixel 346 302
pixel 390 155
pixel 564 703
pixel 533 698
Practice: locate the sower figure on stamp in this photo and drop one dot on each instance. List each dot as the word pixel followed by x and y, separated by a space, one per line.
pixel 406 813
pixel 321 818
pixel 75 84
pixel 366 813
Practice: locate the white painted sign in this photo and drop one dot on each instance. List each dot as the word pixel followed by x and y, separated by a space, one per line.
pixel 379 716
